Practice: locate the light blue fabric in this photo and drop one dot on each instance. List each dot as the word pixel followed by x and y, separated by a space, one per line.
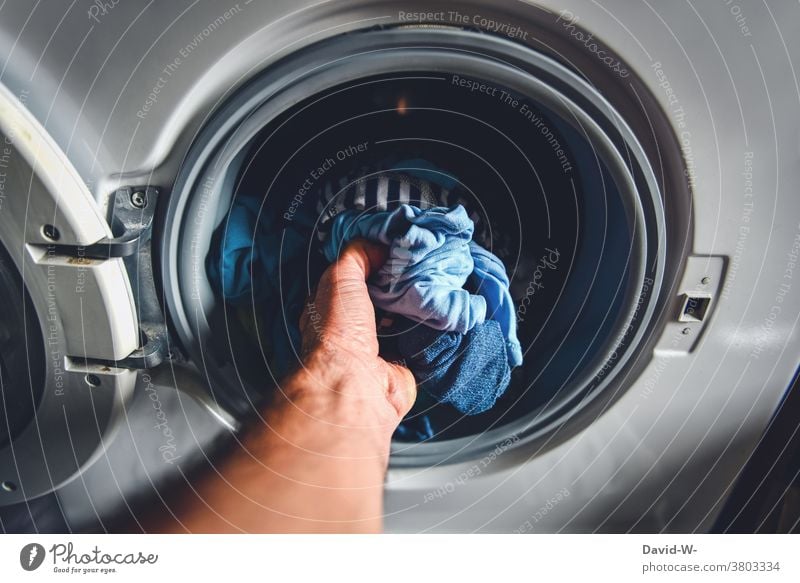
pixel 431 258
pixel 489 279
pixel 428 264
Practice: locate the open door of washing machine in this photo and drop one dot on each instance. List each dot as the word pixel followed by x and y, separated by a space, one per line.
pixel 68 313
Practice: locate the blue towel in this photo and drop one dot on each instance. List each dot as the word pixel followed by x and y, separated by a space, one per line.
pixel 467 371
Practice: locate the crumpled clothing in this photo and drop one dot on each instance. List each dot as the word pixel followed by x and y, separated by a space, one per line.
pixel 235 252
pixel 486 232
pixel 490 280
pixel 428 263
pixel 244 264
pixel 412 181
pixel 431 258
pixel 415 428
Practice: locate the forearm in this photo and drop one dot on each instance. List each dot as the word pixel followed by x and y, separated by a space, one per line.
pixel 316 463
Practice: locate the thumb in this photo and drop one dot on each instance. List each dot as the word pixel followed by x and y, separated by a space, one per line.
pixel 358 260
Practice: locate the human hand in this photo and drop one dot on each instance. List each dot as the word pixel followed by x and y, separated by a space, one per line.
pixel 341 367
pixel 316 461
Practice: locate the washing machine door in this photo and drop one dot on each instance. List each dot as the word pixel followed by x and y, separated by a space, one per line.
pixel 67 315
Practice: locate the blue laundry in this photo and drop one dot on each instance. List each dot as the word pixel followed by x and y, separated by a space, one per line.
pixel 454 193
pixel 489 279
pixel 412 181
pixel 467 371
pixel 457 356
pixel 230 262
pixel 245 264
pixel 428 264
pixel 415 428
pixel 431 258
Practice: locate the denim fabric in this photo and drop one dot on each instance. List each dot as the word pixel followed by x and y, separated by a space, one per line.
pixel 467 371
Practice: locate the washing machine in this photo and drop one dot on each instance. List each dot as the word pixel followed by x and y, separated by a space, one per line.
pixel 637 163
